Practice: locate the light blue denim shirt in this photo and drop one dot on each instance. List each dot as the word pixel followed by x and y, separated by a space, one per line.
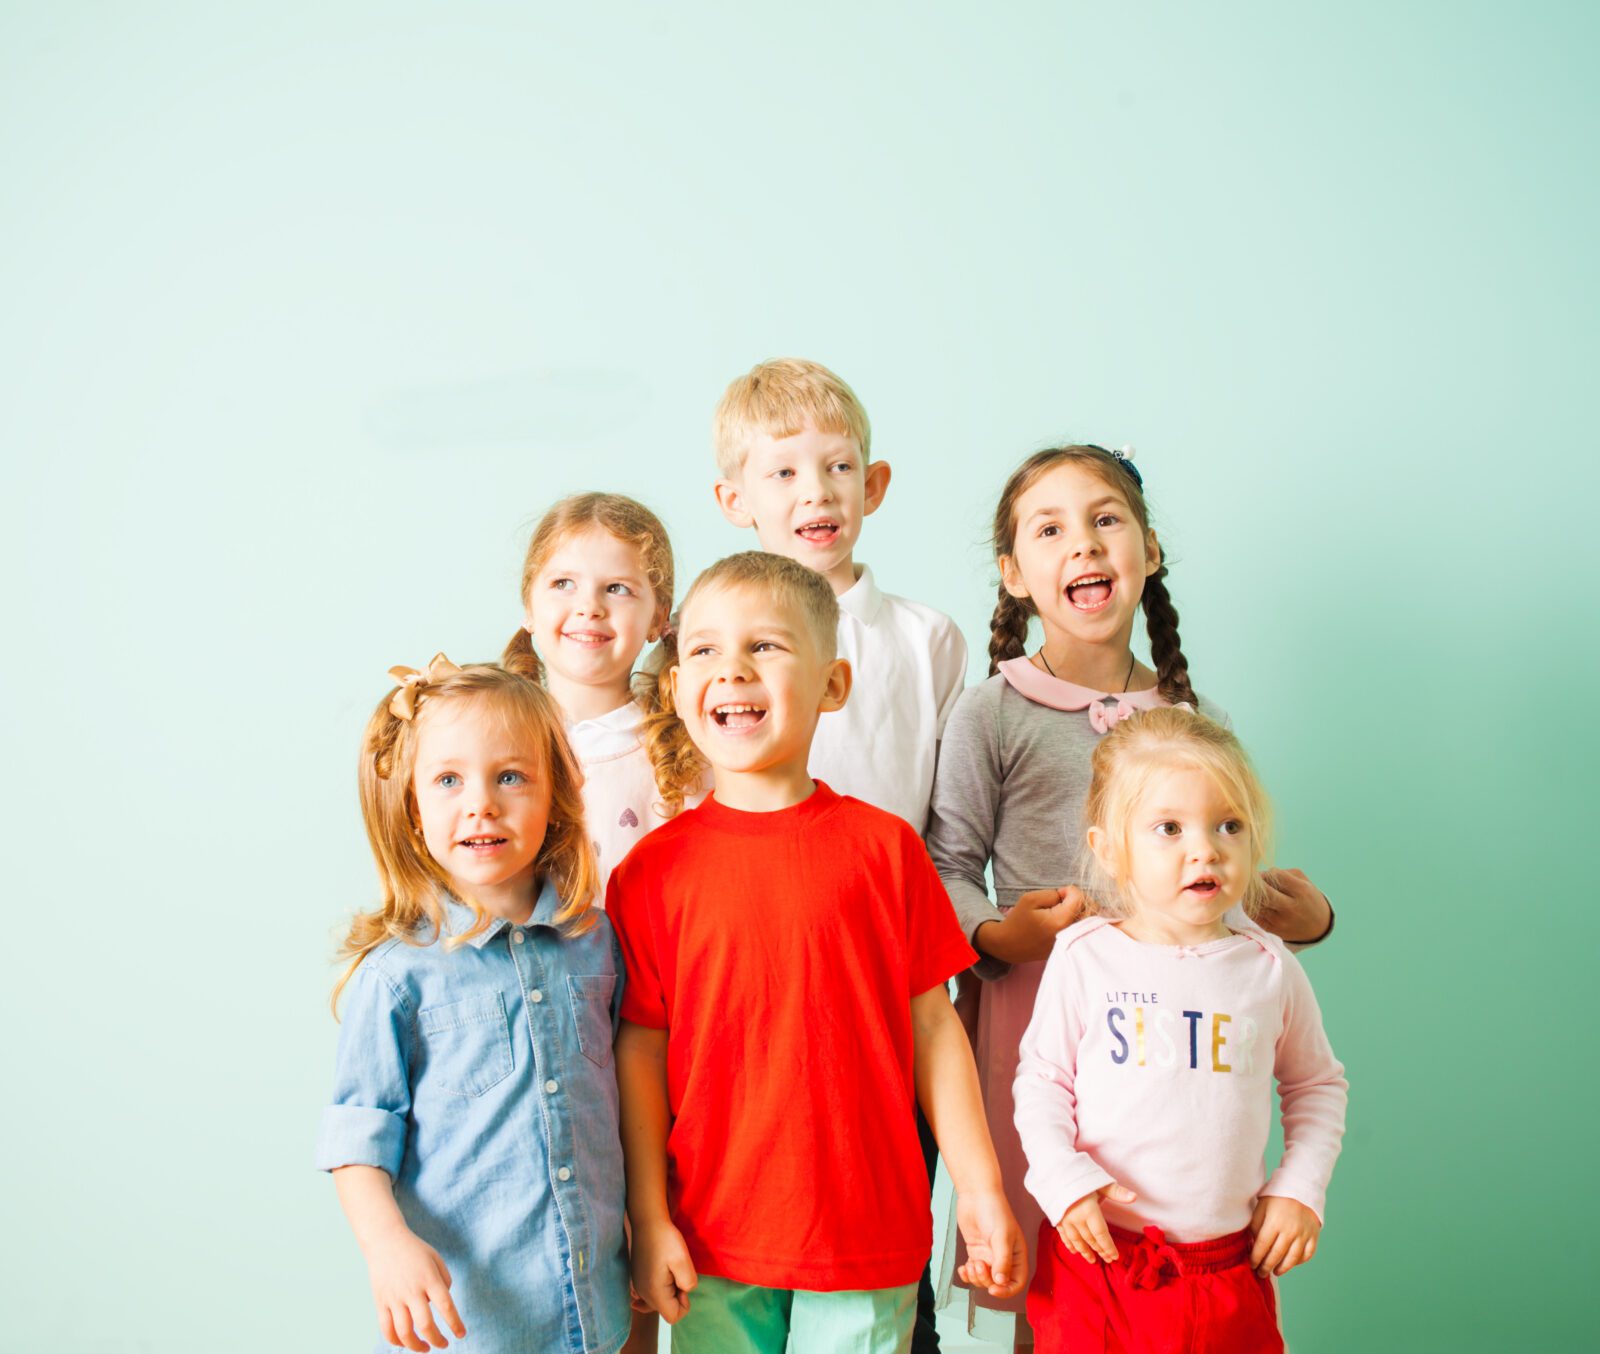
pixel 480 1079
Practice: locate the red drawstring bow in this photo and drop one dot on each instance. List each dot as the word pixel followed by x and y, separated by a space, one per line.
pixel 1150 1260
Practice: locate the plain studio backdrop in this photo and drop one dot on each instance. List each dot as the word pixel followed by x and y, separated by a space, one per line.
pixel 308 310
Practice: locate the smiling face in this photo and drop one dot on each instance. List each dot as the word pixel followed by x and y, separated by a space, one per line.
pixel 806 495
pixel 483 802
pixel 1081 555
pixel 751 681
pixel 1186 857
pixel 590 610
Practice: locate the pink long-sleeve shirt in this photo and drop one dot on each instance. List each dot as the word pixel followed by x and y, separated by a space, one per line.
pixel 1152 1065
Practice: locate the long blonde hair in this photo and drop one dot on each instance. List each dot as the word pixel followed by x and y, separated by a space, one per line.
pixel 678 768
pixel 1138 749
pixel 413 882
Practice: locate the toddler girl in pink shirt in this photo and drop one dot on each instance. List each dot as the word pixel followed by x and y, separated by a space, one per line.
pixel 1143 1094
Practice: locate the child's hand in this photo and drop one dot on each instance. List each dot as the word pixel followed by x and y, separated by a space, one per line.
pixel 1030 929
pixel 997 1256
pixel 407 1274
pixel 1083 1229
pixel 663 1273
pixel 1293 908
pixel 1286 1235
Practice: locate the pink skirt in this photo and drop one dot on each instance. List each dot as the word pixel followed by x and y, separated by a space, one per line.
pixel 1005 1007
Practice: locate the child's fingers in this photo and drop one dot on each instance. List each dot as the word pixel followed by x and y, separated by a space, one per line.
pixel 422 1322
pixel 386 1327
pixel 1279 1249
pixel 1294 1257
pixel 1263 1243
pixel 1311 1247
pixel 1100 1237
pixel 441 1299
pixel 402 1328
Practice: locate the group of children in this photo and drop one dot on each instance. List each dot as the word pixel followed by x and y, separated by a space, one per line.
pixel 654 1017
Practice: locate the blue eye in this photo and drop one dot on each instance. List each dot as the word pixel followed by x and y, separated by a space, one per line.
pixel 783 474
pixel 448 781
pixel 846 466
pixel 513 778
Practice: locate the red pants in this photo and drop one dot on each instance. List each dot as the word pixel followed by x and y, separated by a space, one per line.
pixel 1159 1297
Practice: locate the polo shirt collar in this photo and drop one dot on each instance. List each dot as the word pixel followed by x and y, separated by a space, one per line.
pixel 458 916
pixel 862 598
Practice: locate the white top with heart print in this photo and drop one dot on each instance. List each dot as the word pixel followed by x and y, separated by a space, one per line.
pixel 620 799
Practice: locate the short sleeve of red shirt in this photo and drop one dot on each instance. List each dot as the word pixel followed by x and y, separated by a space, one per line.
pixel 936 947
pixel 781 952
pixel 628 907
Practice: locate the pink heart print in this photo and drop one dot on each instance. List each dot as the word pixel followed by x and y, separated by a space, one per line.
pixel 628 819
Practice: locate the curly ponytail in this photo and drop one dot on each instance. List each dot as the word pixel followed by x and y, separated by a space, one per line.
pixel 519 656
pixel 1161 622
pixel 1008 629
pixel 678 767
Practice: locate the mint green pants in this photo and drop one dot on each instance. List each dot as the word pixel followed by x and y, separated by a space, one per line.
pixel 725 1317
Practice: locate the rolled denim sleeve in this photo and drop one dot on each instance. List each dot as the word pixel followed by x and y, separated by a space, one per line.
pixel 365 1125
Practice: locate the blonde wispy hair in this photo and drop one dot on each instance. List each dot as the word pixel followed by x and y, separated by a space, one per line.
pixel 778 399
pixel 785 581
pixel 414 884
pixel 1138 749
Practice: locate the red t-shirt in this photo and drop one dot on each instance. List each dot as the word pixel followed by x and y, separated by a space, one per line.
pixel 780 952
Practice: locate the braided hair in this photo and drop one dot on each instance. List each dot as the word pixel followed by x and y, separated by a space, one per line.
pixel 1008 627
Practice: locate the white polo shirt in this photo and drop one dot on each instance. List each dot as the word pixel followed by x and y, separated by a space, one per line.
pixel 909 663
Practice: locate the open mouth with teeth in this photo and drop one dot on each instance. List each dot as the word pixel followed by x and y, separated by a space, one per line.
pixel 1204 887
pixel 482 845
pixel 1089 593
pixel 822 531
pixel 588 638
pixel 738 718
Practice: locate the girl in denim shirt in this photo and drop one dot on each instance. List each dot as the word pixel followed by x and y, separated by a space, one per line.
pixel 473 1127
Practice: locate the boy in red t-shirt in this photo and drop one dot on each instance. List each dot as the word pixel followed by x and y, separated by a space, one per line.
pixel 787 950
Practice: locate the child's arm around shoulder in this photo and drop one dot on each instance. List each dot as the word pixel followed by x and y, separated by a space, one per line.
pixel 362 1141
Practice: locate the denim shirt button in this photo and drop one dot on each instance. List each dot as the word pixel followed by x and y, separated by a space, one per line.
pixel 518 937
pixel 565 1173
pixel 552 1086
pixel 536 996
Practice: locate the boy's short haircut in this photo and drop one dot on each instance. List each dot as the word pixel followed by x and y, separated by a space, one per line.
pixel 788 582
pixel 777 399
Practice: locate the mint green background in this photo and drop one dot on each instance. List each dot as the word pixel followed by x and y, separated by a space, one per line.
pixel 306 311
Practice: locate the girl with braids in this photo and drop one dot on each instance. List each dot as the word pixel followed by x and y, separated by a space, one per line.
pixel 473 1133
pixel 596 589
pixel 1073 540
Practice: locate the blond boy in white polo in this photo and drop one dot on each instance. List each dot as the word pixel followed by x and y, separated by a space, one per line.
pixel 793 449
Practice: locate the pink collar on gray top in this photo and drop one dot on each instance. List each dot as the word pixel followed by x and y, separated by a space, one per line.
pixel 1105 707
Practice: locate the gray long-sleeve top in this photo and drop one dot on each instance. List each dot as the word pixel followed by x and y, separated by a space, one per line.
pixel 1012 779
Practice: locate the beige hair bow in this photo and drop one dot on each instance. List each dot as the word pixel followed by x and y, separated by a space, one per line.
pixel 403 704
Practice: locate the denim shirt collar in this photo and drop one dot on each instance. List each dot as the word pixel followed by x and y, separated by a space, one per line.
pixel 458 916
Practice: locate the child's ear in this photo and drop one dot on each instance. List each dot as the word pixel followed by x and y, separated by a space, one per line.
pixel 1100 849
pixel 1011 576
pixel 730 498
pixel 877 486
pixel 837 690
pixel 1152 553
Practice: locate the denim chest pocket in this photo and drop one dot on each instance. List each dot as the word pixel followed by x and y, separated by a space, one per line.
pixel 591 1012
pixel 467 1045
